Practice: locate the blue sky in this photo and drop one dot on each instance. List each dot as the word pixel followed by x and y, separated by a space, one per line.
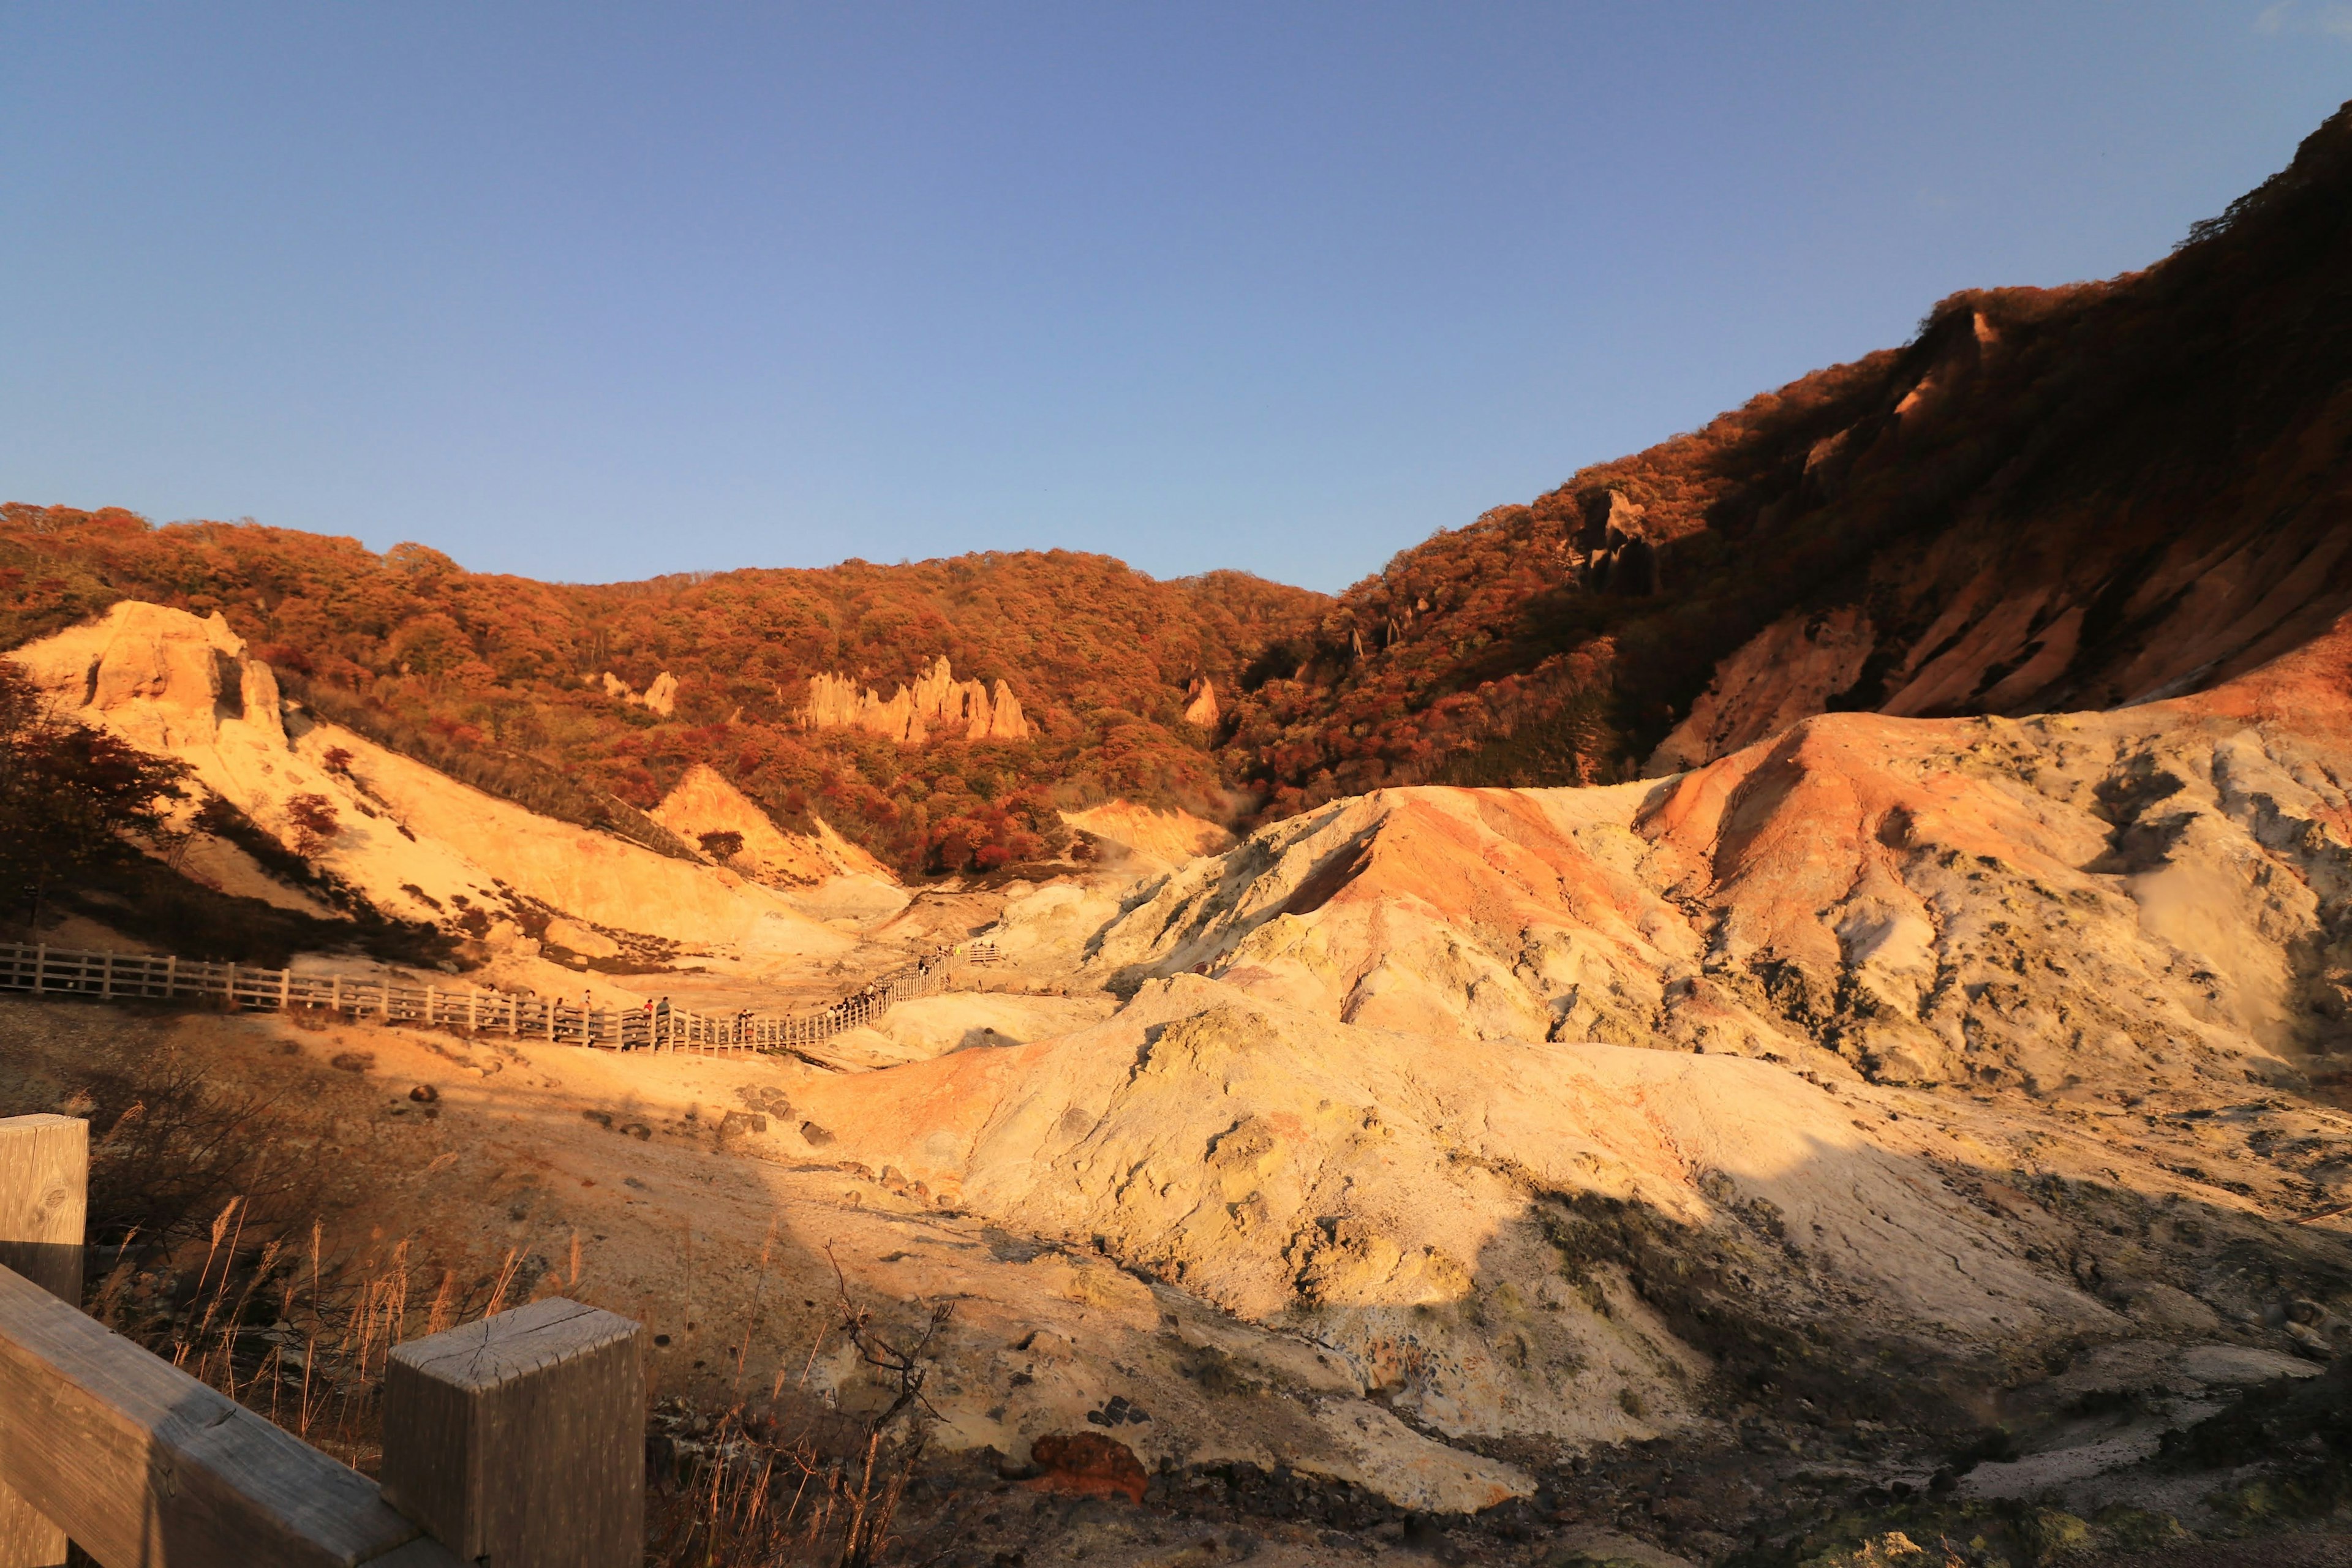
pixel 594 292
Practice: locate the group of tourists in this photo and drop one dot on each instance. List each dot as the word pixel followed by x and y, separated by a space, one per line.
pixel 657 1016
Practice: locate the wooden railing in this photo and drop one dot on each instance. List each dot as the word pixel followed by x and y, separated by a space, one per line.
pixel 517 1440
pixel 70 972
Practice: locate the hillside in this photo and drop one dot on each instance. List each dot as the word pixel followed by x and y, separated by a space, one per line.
pixel 2049 498
pixel 1689 1162
pixel 553 695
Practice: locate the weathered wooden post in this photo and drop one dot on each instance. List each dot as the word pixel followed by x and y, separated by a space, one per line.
pixel 520 1438
pixel 43 1190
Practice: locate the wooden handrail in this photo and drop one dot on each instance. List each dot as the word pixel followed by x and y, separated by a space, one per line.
pixel 116 976
pixel 519 1437
pixel 140 1463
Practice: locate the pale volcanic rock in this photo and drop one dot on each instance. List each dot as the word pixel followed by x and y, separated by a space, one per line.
pixel 2164 890
pixel 931 1026
pixel 416 842
pixel 1201 710
pixel 936 703
pixel 601 880
pixel 1788 672
pixel 1160 838
pixel 661 697
pixel 161 678
pixel 1414 1202
pixel 702 801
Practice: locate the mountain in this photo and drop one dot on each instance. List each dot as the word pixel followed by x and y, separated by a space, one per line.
pixel 592 703
pixel 2049 498
pixel 2057 498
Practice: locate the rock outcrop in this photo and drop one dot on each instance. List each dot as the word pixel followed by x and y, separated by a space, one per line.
pixel 1200 712
pixel 1160 838
pixel 1795 669
pixel 1429 1208
pixel 415 842
pixel 937 702
pixel 660 696
pixel 2161 894
pixel 703 805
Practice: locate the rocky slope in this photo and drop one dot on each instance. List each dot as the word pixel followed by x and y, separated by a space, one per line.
pixel 2155 895
pixel 1661 1157
pixel 413 843
pixel 1960 1067
pixel 2051 499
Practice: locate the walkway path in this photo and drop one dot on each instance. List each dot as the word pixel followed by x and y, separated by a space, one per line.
pixel 69 972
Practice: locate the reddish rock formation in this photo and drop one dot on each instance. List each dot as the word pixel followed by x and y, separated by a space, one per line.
pixel 936 703
pixel 1088 1464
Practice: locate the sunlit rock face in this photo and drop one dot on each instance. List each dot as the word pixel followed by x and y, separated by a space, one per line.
pixel 1450 1215
pixel 2159 890
pixel 413 842
pixel 1573 1116
pixel 937 704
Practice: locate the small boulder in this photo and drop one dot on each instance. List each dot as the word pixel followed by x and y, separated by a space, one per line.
pixel 1087 1464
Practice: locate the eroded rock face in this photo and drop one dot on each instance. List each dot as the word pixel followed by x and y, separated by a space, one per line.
pixel 161 678
pixel 415 842
pixel 703 802
pixel 1797 667
pixel 1456 1219
pixel 1155 838
pixel 936 703
pixel 660 696
pixel 1201 712
pixel 2160 891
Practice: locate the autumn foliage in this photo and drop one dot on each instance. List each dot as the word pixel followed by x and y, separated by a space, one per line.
pixel 2089 454
pixel 499 681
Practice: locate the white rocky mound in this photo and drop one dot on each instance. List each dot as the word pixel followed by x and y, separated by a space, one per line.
pixel 1566 1116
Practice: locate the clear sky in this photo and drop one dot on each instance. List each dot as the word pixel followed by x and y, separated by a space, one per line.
pixel 594 291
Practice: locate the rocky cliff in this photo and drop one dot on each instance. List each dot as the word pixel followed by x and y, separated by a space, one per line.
pixel 413 843
pixel 935 702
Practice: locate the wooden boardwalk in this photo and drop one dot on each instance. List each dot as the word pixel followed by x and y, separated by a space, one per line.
pixel 44 970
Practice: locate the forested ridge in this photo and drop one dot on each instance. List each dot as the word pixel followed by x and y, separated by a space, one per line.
pixel 2050 498
pixel 500 679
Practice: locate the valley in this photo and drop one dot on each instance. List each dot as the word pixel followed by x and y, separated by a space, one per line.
pixel 1786 1004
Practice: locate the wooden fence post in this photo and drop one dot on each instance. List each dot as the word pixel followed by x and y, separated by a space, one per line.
pixel 44 1188
pixel 520 1438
